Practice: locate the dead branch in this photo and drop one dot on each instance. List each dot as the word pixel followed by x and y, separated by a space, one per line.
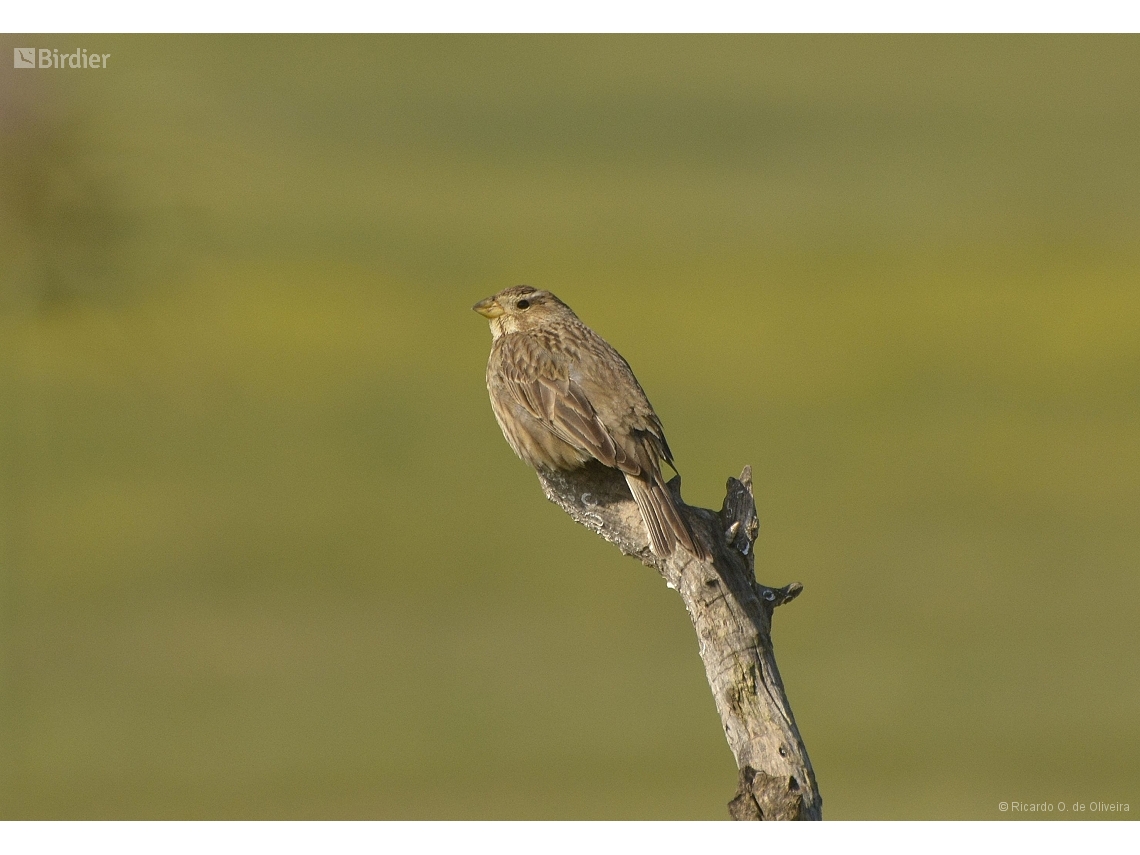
pixel 732 615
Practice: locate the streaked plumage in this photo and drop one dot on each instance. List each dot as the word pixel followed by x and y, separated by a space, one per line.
pixel 562 396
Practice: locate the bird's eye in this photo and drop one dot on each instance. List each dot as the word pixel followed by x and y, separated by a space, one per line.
pixel 523 304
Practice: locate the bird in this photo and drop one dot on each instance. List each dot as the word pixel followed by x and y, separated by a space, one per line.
pixel 563 396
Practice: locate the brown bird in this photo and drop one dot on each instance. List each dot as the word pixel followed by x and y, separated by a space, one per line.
pixel 563 396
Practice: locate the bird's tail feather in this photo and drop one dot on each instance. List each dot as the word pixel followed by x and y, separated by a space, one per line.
pixel 663 520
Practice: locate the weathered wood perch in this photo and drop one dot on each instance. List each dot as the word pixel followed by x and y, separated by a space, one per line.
pixel 732 615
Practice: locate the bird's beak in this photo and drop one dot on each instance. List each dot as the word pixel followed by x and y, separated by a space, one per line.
pixel 488 308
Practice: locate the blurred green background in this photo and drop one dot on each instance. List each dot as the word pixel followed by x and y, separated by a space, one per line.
pixel 266 554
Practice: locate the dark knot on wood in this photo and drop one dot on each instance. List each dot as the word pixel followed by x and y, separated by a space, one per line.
pixel 760 796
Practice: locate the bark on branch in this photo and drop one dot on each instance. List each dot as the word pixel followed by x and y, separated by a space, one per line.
pixel 732 615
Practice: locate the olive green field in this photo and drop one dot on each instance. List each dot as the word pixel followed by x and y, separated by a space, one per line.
pixel 264 552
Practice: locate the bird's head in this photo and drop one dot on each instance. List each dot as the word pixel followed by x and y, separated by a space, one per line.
pixel 520 309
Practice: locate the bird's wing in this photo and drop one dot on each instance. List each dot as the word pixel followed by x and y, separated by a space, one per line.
pixel 561 405
pixel 623 402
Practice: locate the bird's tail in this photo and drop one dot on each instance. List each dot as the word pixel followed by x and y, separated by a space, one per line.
pixel 666 526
